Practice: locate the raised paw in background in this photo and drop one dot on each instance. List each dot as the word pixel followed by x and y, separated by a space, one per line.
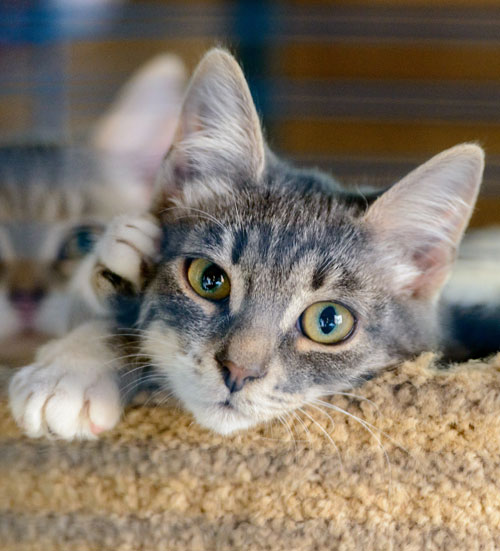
pixel 126 253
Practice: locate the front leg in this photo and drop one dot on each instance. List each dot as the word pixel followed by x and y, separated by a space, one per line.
pixel 75 387
pixel 72 390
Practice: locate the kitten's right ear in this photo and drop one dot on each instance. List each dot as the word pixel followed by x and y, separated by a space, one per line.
pixel 219 139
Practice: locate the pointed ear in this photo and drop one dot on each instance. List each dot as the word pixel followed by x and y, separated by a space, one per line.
pixel 139 127
pixel 419 222
pixel 219 138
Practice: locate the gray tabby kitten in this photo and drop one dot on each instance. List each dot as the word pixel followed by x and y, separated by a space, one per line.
pixel 56 200
pixel 270 286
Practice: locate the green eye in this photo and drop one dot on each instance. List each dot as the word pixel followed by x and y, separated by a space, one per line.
pixel 327 322
pixel 208 280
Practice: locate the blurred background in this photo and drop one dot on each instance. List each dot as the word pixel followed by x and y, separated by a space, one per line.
pixel 365 89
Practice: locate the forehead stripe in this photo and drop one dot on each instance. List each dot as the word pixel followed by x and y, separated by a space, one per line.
pixel 318 279
pixel 240 243
pixel 319 274
pixel 265 238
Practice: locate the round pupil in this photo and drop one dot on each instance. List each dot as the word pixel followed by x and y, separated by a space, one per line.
pixel 84 240
pixel 212 278
pixel 328 320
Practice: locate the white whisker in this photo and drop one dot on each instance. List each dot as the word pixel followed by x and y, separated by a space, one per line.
pixel 304 426
pixel 325 432
pixel 368 424
pixel 365 425
pixel 355 396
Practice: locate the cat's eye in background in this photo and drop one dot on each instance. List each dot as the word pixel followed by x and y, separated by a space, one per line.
pixel 80 242
pixel 327 322
pixel 208 280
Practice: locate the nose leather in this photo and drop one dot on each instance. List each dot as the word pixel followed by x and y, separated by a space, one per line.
pixel 20 296
pixel 236 377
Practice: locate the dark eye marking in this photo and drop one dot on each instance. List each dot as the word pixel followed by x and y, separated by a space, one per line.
pixel 240 243
pixel 319 275
pixel 318 278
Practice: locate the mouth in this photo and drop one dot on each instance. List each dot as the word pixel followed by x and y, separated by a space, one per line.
pixel 210 404
pixel 221 417
pixel 26 310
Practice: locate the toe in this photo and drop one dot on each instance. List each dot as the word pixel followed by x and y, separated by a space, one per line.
pixel 104 405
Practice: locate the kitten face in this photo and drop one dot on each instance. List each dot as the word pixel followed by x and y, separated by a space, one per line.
pixel 301 249
pixel 263 263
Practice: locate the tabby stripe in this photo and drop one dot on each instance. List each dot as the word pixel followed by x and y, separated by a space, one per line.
pixel 240 242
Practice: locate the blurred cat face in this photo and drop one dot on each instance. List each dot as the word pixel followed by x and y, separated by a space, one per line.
pixel 50 217
pixel 55 200
pixel 54 204
pixel 37 263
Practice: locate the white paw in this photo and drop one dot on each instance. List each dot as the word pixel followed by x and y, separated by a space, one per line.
pixel 52 400
pixel 128 244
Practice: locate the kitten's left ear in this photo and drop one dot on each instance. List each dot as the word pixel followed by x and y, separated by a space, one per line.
pixel 419 222
pixel 219 140
pixel 137 130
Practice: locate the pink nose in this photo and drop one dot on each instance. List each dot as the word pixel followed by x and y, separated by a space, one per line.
pixel 26 296
pixel 235 377
pixel 26 303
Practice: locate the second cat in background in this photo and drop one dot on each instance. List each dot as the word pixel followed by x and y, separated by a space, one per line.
pixel 56 199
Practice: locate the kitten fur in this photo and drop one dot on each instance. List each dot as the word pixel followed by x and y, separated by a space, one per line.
pixel 55 200
pixel 287 239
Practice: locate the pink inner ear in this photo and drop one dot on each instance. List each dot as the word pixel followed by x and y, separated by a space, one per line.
pixel 422 218
pixel 435 264
pixel 435 258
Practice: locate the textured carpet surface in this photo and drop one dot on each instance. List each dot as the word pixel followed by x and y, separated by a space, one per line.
pixel 421 471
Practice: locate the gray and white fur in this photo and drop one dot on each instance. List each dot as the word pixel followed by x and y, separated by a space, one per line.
pixel 286 239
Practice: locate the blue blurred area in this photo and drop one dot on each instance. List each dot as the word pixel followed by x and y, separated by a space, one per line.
pixel 41 22
pixel 37 31
pixel 43 32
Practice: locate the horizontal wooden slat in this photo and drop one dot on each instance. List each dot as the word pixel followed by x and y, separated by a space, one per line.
pixel 112 56
pixel 430 60
pixel 371 137
pixel 383 99
pixel 15 116
pixel 399 3
pixel 487 212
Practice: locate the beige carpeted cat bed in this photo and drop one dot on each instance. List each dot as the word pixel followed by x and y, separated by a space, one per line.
pixel 159 482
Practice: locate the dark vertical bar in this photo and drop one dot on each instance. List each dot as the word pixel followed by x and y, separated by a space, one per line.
pixel 50 105
pixel 253 31
pixel 36 24
pixel 48 65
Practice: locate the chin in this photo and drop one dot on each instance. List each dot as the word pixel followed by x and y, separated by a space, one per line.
pixel 222 419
